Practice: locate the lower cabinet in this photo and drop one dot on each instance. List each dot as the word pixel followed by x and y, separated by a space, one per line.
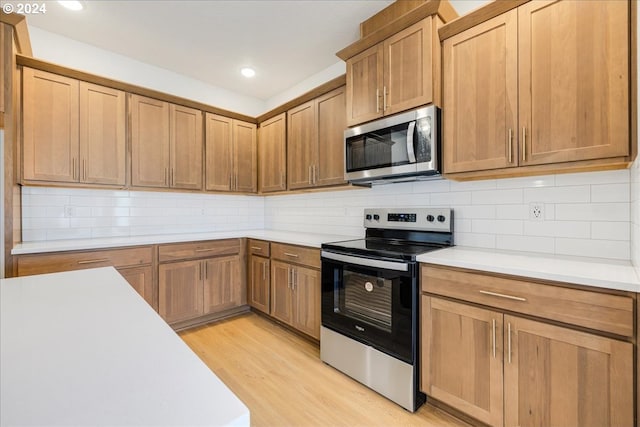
pixel 295 287
pixel 507 370
pixel 200 278
pixel 259 275
pixel 135 264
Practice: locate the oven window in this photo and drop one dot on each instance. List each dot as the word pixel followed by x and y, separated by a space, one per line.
pixel 367 298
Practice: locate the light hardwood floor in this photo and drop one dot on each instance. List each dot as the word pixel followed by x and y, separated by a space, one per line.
pixel 280 377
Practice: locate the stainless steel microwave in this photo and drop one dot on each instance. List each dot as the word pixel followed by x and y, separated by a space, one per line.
pixel 404 147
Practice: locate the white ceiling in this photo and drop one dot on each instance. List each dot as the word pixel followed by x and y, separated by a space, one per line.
pixel 286 41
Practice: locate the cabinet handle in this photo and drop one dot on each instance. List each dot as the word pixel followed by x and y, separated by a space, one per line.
pixel 509 341
pixel 283 180
pixel 494 338
pixel 510 138
pixel 173 179
pixel 200 270
pixel 93 261
pixel 205 250
pixel 206 270
pixel 256 248
pixel 73 168
pixel 384 99
pixel 294 278
pixel 289 276
pixel 166 176
pixel 264 271
pixel 495 294
pixel 310 178
pixel 235 181
pixel 291 255
pixel 524 144
pixel 377 100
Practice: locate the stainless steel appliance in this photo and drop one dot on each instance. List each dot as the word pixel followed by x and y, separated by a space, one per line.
pixel 370 299
pixel 398 148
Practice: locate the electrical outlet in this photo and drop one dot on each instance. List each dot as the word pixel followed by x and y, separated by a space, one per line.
pixel 69 211
pixel 536 211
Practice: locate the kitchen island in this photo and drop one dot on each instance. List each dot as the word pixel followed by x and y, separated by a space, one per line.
pixel 83 348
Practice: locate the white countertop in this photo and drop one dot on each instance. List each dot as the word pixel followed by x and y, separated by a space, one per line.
pixel 610 274
pixel 602 273
pixel 294 238
pixel 83 348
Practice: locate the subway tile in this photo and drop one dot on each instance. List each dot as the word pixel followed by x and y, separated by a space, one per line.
pixel 488 184
pixel 435 186
pixel 475 212
pixel 526 243
pixel 573 194
pixel 593 212
pixel 587 178
pixel 451 199
pixel 610 193
pixel 475 240
pixel 512 212
pixel 68 233
pixel 577 229
pixel 594 248
pixel 611 230
pixel 497 197
pixel 527 182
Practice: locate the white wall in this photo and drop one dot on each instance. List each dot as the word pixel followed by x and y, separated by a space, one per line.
pixel 586 214
pixel 64 51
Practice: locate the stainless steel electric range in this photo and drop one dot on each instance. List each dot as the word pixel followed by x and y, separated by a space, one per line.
pixel 370 297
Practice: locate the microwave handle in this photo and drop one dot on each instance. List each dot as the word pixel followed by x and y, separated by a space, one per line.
pixel 410 151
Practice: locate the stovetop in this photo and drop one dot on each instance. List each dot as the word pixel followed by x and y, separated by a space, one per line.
pixel 400 233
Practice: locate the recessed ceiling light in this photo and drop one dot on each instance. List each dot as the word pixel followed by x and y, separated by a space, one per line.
pixel 248 72
pixel 71 4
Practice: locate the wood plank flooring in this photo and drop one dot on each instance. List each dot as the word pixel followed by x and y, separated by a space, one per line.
pixel 280 377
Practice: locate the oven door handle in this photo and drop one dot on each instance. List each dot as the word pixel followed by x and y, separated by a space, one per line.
pixel 368 262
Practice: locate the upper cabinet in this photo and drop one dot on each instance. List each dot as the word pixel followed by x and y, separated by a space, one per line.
pixel 315 146
pixel 546 83
pixel 231 155
pixel 397 74
pixel 166 144
pixel 73 132
pixel 272 154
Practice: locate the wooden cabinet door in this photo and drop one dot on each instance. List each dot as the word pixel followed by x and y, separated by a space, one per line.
pixel 219 160
pixel 461 358
pixel 301 145
pixel 141 279
pixel 180 291
pixel 245 153
pixel 150 146
pixel 186 148
pixel 50 127
pixel 331 113
pixel 102 135
pixel 556 376
pixel 306 301
pixel 408 68
pixel 281 299
pixel 222 284
pixel 259 273
pixel 365 86
pixel 272 157
pixel 574 80
pixel 480 102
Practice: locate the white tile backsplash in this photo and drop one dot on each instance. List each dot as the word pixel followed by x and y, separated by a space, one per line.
pixel 593 214
pixel 66 213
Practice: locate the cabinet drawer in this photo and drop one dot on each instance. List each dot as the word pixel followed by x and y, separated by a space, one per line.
pixel 296 254
pixel 207 248
pixel 65 261
pixel 594 310
pixel 259 247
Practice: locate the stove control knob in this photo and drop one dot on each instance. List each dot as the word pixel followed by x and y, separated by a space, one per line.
pixel 368 217
pixel 441 218
pixel 430 218
pixel 376 217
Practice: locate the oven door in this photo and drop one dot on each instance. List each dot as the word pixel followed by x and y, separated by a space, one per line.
pixel 372 301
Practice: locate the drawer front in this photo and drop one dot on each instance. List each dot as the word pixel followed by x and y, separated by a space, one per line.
pixel 204 249
pixel 66 261
pixel 296 254
pixel 594 310
pixel 259 247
